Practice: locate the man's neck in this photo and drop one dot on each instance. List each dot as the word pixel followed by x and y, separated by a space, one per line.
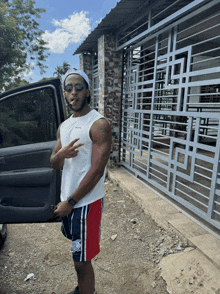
pixel 83 112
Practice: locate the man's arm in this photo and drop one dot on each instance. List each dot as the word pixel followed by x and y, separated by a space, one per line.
pixel 60 153
pixel 101 149
pixel 102 138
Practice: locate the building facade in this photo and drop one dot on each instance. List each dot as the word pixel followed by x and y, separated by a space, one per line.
pixel 154 68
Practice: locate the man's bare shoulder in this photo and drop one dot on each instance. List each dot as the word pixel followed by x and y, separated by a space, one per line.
pixel 100 127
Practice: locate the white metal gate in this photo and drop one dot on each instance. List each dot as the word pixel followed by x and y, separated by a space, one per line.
pixel 170 130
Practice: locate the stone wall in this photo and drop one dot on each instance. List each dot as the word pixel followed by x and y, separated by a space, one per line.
pixel 110 80
pixel 86 65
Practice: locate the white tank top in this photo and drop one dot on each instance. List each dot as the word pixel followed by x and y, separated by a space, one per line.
pixel 75 169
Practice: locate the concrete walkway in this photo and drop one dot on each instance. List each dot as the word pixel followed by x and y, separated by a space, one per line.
pixel 169 215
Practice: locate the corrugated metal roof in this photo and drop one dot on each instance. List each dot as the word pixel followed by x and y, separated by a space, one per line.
pixel 112 21
pixel 126 12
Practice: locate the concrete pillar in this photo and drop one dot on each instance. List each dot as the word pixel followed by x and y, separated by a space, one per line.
pixel 110 79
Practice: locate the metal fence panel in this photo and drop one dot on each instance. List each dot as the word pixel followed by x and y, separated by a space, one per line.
pixel 170 129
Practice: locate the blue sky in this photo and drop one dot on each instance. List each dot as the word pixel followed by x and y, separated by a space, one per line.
pixel 66 24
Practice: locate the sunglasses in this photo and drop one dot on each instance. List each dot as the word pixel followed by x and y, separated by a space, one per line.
pixel 69 87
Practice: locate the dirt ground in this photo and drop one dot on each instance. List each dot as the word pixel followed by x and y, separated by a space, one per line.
pixel 132 248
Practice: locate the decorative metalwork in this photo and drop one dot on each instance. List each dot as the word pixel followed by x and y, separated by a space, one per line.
pixel 171 112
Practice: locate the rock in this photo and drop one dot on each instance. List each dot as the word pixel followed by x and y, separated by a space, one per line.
pixel 179 248
pixel 114 237
pixel 188 249
pixel 133 220
pixel 28 277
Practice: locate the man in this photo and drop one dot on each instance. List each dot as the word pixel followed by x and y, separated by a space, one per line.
pixel 82 149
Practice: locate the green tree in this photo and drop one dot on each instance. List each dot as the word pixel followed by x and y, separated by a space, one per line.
pixel 46 79
pixel 20 38
pixel 60 70
pixel 66 67
pixel 16 83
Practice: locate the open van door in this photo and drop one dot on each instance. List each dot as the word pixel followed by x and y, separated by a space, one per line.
pixel 29 118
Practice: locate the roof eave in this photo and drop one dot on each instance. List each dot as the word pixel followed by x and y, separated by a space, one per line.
pixel 109 24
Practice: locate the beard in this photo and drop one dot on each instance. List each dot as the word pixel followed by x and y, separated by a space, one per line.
pixel 84 102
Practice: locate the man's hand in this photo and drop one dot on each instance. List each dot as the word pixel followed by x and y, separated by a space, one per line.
pixel 71 149
pixel 63 209
pixel 60 153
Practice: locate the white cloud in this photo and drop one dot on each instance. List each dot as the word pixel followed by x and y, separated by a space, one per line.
pixel 69 30
pixel 99 21
pixel 27 72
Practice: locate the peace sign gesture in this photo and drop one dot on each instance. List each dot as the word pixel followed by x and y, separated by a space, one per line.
pixel 71 149
pixel 60 153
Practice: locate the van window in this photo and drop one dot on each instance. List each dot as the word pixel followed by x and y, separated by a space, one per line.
pixel 28 117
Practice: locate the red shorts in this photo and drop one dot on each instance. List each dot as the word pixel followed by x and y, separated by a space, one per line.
pixel 82 226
